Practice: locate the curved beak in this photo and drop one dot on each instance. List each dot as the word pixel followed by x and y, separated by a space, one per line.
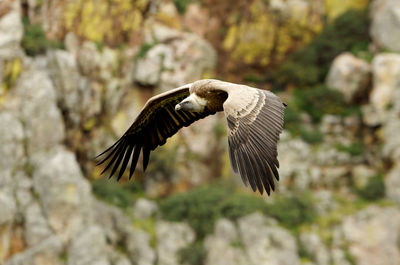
pixel 178 107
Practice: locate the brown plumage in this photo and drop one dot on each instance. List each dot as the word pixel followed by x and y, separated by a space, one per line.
pixel 254 117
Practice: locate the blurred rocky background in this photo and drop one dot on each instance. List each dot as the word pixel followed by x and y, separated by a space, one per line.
pixel 74 75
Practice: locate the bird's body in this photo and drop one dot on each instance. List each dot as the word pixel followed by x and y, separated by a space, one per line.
pixel 254 117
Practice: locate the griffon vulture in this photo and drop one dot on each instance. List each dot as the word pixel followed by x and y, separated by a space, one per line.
pixel 254 117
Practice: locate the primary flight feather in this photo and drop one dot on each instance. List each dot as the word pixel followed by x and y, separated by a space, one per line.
pixel 254 118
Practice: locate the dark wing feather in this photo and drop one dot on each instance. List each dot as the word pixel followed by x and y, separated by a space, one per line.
pixel 253 137
pixel 157 121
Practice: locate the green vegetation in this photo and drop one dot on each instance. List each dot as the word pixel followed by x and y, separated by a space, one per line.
pixel 202 206
pixel 309 65
pixel 194 254
pixel 374 189
pixel 354 149
pixel 34 41
pixel 293 210
pixel 144 49
pixel 320 100
pixel 116 193
pixel 181 5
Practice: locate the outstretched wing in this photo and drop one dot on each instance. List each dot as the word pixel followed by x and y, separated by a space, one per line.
pixel 255 120
pixel 157 121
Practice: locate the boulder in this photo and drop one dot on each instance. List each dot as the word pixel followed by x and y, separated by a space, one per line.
pixel 88 248
pixel 267 243
pixel 385 30
pixel 371 236
pixel 349 75
pixel 144 208
pixel 172 58
pixel 63 192
pixel 34 101
pixel 225 239
pixel 171 237
pixel 386 80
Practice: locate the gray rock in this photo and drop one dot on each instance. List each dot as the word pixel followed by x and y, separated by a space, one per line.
pixel 34 101
pixel 386 80
pixel 361 174
pixel 138 247
pixel 348 75
pixel 11 31
pixel 36 226
pixel 63 192
pixel 385 30
pixel 45 252
pixel 315 248
pixel 385 98
pixel 339 257
pixel 7 208
pixel 148 69
pixel 88 248
pixel 79 98
pixel 225 239
pixel 119 230
pixel 392 184
pixel 171 237
pixel 267 243
pixel 144 208
pixel 371 236
pixel 179 58
pixel 11 141
pixel 326 201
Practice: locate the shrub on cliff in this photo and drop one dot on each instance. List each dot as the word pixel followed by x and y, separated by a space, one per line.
pixel 309 65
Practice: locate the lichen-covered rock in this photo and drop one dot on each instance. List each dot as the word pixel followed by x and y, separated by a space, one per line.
pixel 267 243
pixel 172 237
pixel 349 75
pixel 371 236
pixel 385 29
pixel 11 30
pixel 33 100
pixel 67 204
pixel 88 248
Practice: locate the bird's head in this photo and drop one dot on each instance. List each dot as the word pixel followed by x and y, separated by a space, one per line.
pixel 192 103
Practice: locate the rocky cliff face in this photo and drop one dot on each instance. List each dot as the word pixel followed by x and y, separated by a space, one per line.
pixel 61 107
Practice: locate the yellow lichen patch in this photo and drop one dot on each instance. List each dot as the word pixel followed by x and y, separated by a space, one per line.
pixel 266 36
pixel 12 70
pixel 334 8
pixel 104 20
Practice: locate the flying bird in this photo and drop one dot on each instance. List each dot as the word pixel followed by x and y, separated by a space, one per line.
pixel 254 118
